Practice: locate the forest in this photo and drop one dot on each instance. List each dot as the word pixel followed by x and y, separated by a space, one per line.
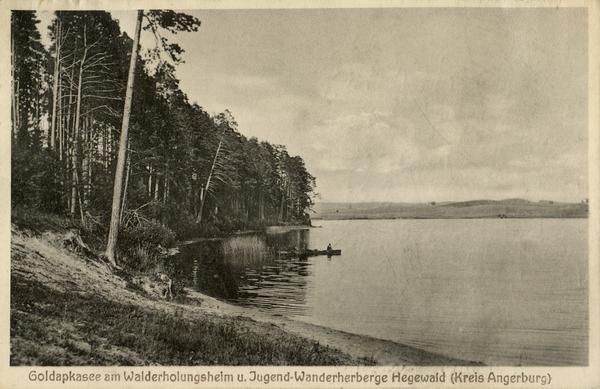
pixel 185 173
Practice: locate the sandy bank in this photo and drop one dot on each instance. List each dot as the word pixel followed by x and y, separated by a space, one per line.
pixel 359 346
pixel 42 259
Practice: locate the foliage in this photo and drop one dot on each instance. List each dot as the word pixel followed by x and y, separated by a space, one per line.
pixel 149 232
pixel 173 22
pixel 188 171
pixel 142 245
pixel 144 258
pixel 35 180
pixel 29 97
pixel 31 219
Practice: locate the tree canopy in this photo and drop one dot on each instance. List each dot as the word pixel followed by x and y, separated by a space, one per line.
pixel 185 169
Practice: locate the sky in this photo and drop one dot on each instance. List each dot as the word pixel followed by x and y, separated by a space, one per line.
pixel 403 104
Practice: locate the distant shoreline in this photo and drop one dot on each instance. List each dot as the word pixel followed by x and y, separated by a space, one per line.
pixel 444 218
pixel 476 209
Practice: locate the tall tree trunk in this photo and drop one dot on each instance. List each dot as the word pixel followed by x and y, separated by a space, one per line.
pixel 61 124
pixel 86 162
pixel 189 198
pixel 149 181
pixel 68 133
pixel 38 136
pixel 164 216
pixel 166 184
pixel 76 136
pixel 13 59
pixel 125 189
pixel 105 141
pixel 55 87
pixel 156 187
pixel 280 217
pixel 212 169
pixel 113 233
pixel 195 203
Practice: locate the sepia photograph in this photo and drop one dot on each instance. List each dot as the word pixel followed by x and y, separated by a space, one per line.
pixel 301 194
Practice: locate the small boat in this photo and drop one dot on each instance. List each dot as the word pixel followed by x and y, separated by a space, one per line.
pixel 309 253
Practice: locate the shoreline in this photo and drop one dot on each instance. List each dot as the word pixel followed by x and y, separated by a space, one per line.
pixel 442 217
pixel 475 209
pixel 42 260
pixel 270 229
pixel 385 352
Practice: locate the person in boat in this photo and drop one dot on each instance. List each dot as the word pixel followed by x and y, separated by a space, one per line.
pixel 329 248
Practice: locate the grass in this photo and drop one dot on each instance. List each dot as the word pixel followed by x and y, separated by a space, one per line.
pixel 36 223
pixel 250 247
pixel 50 326
pixel 53 328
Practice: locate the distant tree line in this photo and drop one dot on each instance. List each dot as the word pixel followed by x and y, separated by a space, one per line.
pixel 185 169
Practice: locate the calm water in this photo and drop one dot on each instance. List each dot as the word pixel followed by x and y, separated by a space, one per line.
pixel 500 291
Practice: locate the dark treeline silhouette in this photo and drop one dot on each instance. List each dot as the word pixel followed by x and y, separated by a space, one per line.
pixel 185 169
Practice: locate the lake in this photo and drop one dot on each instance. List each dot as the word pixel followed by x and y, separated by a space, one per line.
pixel 499 291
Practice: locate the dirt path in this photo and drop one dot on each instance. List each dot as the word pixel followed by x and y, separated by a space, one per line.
pixel 42 259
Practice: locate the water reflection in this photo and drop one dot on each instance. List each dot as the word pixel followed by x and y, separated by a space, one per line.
pixel 504 292
pixel 248 270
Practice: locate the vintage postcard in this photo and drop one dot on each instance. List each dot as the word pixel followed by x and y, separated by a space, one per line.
pixel 299 194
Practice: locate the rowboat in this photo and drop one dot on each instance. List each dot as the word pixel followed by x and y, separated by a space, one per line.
pixel 309 253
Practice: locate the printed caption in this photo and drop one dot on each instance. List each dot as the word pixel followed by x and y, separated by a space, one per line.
pixel 256 376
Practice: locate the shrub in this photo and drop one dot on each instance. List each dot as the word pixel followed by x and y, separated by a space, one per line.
pixel 146 233
pixel 140 245
pixel 144 258
pixel 35 180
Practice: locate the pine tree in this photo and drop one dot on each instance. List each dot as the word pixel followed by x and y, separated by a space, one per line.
pixel 28 56
pixel 173 22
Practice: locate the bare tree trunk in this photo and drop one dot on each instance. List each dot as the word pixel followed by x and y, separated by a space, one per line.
pixel 91 161
pixel 61 124
pixel 86 163
pixel 166 184
pixel 212 169
pixel 163 216
pixel 280 217
pixel 104 130
pixel 201 197
pixel 13 59
pixel 195 203
pixel 149 181
pixel 118 188
pixel 67 129
pixel 76 136
pixel 156 187
pixel 261 204
pixel 125 189
pixel 55 87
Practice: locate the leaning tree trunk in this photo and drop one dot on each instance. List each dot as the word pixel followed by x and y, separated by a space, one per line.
pixel 212 169
pixel 113 233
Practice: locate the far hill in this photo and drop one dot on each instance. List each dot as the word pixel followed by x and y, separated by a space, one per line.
pixel 509 208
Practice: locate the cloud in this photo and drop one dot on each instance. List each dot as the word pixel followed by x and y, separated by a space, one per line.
pixel 377 142
pixel 362 85
pixel 424 104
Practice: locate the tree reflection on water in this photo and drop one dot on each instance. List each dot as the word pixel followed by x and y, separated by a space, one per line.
pixel 248 270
